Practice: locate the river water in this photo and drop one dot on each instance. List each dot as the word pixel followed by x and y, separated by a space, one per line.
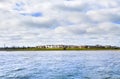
pixel 60 65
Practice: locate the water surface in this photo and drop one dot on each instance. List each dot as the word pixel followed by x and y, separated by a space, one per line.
pixel 60 65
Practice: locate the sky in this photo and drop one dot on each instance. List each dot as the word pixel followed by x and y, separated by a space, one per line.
pixel 76 22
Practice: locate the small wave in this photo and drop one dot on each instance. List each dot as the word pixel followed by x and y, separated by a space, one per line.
pixel 19 77
pixel 18 69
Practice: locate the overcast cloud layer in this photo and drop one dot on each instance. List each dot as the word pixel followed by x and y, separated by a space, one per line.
pixel 35 22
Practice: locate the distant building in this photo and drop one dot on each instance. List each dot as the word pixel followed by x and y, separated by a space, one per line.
pixel 40 46
pixel 75 46
pixel 108 46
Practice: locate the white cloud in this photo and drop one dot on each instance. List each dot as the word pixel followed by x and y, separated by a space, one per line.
pixel 49 21
pixel 110 15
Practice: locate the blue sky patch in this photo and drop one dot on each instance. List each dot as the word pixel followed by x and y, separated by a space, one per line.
pixel 36 14
pixel 19 6
pixel 116 22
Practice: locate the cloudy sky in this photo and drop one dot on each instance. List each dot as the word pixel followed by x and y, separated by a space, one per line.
pixel 35 22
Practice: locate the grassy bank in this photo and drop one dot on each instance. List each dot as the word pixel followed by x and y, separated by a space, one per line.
pixel 54 49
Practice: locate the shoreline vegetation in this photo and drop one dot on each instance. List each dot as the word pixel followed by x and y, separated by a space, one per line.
pixel 60 48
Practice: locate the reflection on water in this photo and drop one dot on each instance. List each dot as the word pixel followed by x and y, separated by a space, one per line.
pixel 60 65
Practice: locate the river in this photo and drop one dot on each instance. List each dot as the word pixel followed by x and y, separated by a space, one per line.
pixel 60 65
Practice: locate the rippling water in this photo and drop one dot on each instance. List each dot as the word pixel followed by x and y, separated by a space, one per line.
pixel 60 65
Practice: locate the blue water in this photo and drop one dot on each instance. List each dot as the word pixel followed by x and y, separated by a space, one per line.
pixel 60 65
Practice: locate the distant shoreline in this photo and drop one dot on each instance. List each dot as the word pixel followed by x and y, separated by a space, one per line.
pixel 59 49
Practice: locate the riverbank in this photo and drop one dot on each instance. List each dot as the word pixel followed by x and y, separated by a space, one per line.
pixel 55 49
